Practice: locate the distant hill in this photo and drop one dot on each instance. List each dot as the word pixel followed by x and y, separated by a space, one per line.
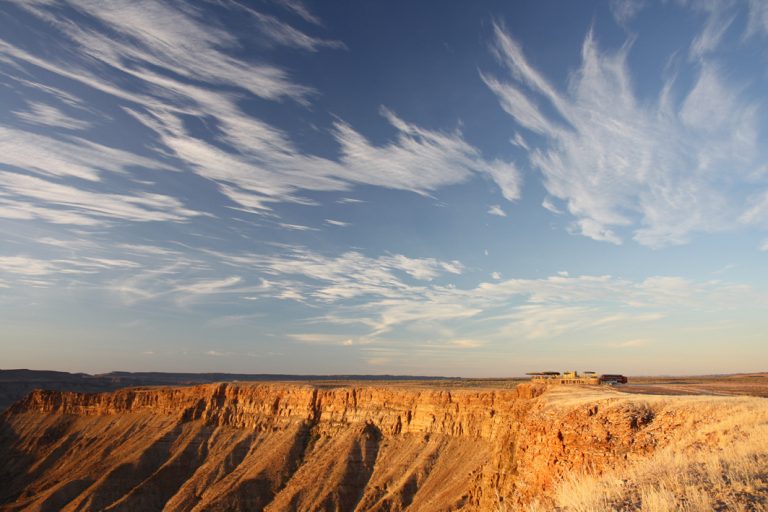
pixel 15 384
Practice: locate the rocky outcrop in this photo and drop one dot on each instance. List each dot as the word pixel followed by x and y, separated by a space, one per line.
pixel 301 447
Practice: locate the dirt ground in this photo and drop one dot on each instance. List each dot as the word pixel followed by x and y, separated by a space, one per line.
pixel 752 384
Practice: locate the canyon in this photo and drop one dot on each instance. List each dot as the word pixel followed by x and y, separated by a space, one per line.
pixel 356 446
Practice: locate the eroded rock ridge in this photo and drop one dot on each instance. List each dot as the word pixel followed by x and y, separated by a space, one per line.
pixel 300 447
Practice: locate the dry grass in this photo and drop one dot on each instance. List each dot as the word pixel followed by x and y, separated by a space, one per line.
pixel 716 459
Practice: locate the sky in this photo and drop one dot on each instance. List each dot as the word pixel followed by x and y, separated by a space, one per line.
pixel 475 189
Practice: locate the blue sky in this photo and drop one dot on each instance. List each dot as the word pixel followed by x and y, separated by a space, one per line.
pixel 437 188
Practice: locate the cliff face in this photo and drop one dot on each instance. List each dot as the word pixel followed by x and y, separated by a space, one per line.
pixel 296 447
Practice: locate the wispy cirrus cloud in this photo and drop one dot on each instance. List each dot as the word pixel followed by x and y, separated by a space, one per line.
pixel 419 160
pixel 173 37
pixel 267 167
pixel 48 115
pixel 624 10
pixel 25 266
pixel 281 33
pixel 300 8
pixel 164 63
pixel 355 299
pixel 181 283
pixel 337 223
pixel 136 54
pixel 81 206
pixel 632 343
pixel 347 276
pixel 374 295
pixel 758 18
pixel 662 169
pixel 719 18
pixel 497 210
pixel 322 339
pixel 22 265
pixel 70 157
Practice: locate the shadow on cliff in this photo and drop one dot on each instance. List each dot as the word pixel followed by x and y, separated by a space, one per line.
pixel 14 466
pixel 149 482
pixel 360 463
pixel 19 469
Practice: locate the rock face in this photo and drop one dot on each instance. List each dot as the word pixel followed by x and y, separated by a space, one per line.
pixel 296 447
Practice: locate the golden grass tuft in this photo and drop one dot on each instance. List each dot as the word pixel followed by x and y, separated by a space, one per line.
pixel 716 460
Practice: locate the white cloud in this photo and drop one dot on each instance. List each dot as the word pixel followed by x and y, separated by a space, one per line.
pixel 424 269
pixel 23 265
pixel 466 343
pixel 515 102
pixel 337 223
pixel 298 7
pixel 79 206
pixel 596 231
pixel 625 10
pixel 209 286
pixel 296 227
pixel 378 361
pixel 283 34
pixel 633 343
pixel 496 209
pixel 23 210
pixel 663 168
pixel 548 321
pixel 719 20
pixel 322 339
pixel 756 209
pixel 268 168
pixel 71 157
pixel 148 250
pixel 519 141
pixel 418 160
pixel 349 275
pixel 48 115
pixel 177 39
pixel 758 18
pixel 549 205
pixel 390 295
pixel 372 296
pixel 182 279
pixel 182 65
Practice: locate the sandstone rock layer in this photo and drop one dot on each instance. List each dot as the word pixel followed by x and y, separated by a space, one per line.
pixel 277 447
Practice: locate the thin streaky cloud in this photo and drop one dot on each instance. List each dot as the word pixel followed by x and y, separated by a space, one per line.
pixel 48 115
pixel 337 223
pixel 142 207
pixel 74 157
pixel 625 10
pixel 300 8
pixel 496 210
pixel 283 34
pixel 620 164
pixel 267 167
pixel 757 23
pixel 291 186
